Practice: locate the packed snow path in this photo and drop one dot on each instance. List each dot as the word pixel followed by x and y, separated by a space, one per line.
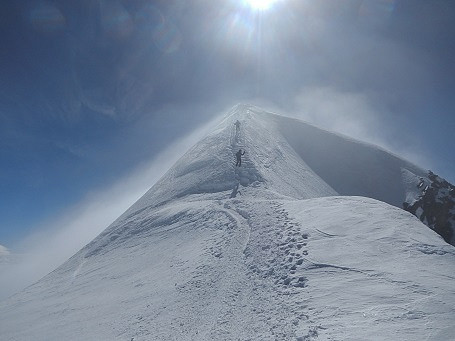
pixel 287 259
pixel 246 173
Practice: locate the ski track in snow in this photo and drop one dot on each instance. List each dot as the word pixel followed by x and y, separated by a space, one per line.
pixel 265 251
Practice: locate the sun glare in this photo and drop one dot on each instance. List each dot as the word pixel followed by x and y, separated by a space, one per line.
pixel 261 5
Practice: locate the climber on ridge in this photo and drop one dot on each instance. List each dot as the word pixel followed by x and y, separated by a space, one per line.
pixel 237 126
pixel 239 157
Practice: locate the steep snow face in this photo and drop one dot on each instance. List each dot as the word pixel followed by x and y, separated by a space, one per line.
pixel 348 166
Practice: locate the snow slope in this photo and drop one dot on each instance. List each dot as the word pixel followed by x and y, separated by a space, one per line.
pixel 267 251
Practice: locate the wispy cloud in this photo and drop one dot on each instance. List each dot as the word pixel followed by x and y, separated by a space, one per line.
pixel 357 115
pixel 346 112
pixel 3 251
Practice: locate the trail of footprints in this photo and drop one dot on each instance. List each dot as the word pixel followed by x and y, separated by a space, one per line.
pixel 292 243
pixel 282 250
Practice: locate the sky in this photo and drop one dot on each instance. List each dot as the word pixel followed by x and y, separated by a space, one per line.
pixel 96 94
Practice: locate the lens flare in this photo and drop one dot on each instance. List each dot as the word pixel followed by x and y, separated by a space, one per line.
pixel 260 5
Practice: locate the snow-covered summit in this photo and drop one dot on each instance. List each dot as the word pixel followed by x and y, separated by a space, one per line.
pixel 209 166
pixel 283 157
pixel 286 158
pixel 272 250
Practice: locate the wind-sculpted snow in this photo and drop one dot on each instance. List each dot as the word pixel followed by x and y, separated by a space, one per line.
pixel 377 272
pixel 265 251
pixel 329 268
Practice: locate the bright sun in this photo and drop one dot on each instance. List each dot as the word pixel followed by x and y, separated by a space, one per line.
pixel 260 4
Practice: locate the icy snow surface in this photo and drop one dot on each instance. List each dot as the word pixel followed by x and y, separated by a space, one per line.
pixel 271 250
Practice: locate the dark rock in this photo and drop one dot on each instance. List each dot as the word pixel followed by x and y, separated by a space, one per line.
pixel 436 203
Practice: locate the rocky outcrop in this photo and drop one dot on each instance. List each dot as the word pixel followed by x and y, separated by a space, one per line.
pixel 435 206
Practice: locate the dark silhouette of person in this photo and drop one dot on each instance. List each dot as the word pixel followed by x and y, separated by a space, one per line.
pixel 239 157
pixel 237 126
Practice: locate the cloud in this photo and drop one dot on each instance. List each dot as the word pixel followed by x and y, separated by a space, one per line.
pixel 3 251
pixel 59 239
pixel 358 115
pixel 92 99
pixel 346 112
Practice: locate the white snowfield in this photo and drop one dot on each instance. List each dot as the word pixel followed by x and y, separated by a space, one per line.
pixel 299 243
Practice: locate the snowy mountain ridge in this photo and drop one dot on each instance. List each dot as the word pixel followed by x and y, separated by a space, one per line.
pixel 297 155
pixel 299 243
pixel 304 160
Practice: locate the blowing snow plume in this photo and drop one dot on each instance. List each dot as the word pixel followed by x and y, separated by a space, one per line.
pixel 304 240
